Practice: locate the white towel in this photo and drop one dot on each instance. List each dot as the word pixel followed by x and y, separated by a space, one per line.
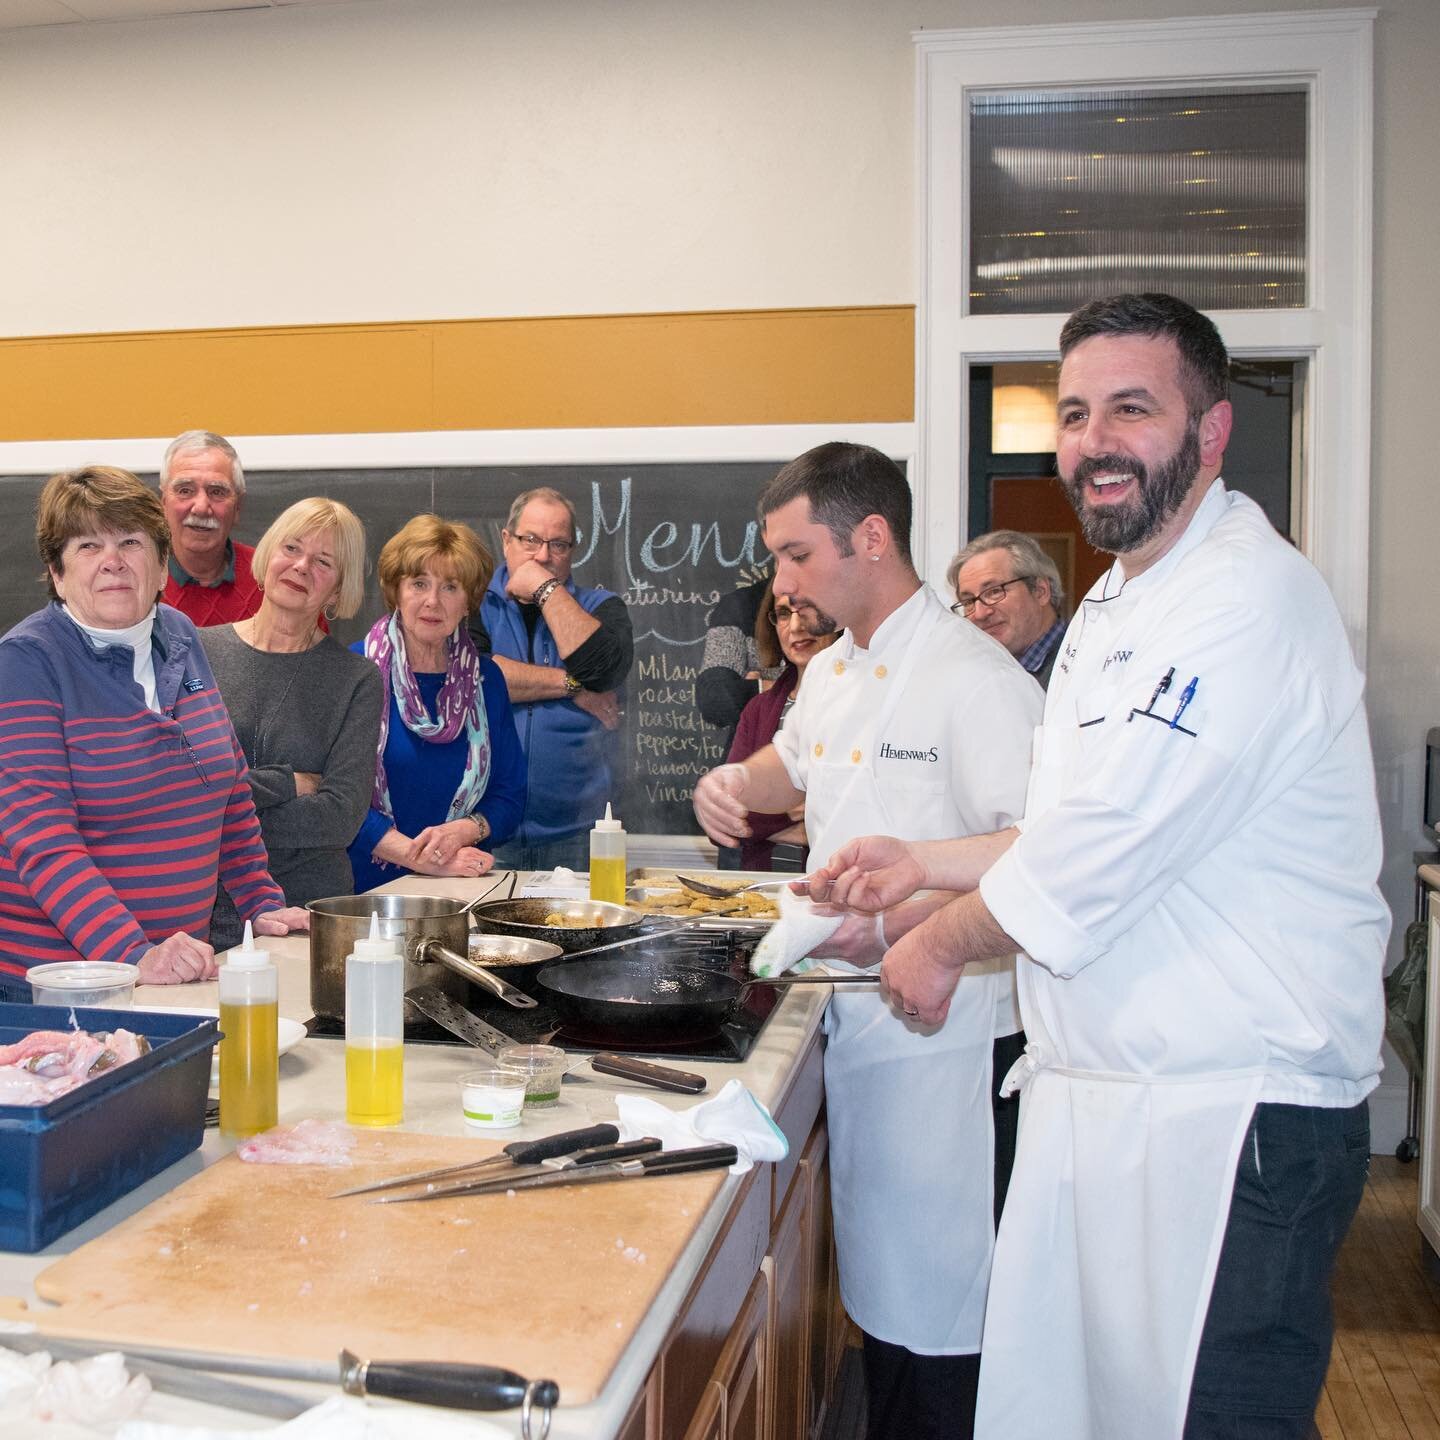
pixel 793 936
pixel 734 1116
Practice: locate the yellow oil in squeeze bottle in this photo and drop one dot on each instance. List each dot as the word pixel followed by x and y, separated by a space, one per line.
pixel 249 1050
pixel 607 859
pixel 374 1031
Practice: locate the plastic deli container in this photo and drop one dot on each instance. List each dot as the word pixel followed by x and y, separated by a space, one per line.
pixel 492 1098
pixel 106 983
pixel 61 1162
pixel 543 1067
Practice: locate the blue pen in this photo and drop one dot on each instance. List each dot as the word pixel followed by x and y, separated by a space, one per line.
pixel 1186 696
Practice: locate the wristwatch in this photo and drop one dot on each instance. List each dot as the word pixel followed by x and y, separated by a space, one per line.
pixel 572 685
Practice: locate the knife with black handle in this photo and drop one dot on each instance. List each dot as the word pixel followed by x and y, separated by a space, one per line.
pixel 667 1162
pixel 517 1152
pixel 557 1164
pixel 459 1387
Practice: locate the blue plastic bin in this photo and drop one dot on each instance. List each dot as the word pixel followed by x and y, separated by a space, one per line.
pixel 61 1162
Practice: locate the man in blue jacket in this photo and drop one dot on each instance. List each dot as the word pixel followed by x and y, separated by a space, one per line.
pixel 564 651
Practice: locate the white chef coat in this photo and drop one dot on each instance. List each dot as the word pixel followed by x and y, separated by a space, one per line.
pixel 926 734
pixel 1202 930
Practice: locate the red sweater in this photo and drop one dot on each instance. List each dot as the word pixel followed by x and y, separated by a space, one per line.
pixel 759 721
pixel 116 822
pixel 221 604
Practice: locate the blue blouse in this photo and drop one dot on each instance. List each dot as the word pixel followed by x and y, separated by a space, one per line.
pixel 424 777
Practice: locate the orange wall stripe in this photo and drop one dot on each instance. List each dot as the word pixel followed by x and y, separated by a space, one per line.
pixel 765 367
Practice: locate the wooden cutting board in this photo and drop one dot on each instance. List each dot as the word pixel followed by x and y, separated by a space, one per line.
pixel 255 1260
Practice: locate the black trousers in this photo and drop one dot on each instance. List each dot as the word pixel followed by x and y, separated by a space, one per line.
pixel 932 1397
pixel 1266 1342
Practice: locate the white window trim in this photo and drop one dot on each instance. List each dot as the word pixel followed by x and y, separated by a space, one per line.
pixel 1331 52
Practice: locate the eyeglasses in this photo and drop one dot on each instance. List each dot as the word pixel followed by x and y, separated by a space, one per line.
pixel 782 614
pixel 991 595
pixel 532 544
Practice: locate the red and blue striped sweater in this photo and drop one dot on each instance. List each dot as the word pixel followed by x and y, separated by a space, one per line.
pixel 115 822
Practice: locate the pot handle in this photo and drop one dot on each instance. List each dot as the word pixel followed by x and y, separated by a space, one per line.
pixel 477 974
pixel 469 911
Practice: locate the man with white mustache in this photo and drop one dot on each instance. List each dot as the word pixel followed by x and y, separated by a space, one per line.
pixel 202 485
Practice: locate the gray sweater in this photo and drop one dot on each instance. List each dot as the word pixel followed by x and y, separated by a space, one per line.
pixel 319 712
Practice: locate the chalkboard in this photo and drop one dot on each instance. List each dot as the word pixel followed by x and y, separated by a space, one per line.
pixel 670 539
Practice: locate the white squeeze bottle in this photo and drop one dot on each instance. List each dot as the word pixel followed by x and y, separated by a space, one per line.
pixel 249 1049
pixel 607 859
pixel 374 1031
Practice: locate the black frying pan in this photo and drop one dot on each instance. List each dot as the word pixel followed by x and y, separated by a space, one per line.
pixel 634 998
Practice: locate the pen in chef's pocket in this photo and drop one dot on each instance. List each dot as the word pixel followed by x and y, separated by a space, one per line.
pixel 1160 689
pixel 1186 696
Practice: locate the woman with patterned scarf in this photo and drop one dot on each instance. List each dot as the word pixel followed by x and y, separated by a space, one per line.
pixel 450 775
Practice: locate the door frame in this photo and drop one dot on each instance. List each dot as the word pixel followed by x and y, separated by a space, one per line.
pixel 1331 54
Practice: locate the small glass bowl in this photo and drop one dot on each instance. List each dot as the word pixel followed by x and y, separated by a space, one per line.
pixel 543 1067
pixel 491 1098
pixel 108 984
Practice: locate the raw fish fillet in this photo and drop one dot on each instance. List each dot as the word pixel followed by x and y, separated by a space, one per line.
pixel 311 1142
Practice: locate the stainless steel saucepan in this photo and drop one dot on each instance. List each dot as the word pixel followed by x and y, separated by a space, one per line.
pixel 432 932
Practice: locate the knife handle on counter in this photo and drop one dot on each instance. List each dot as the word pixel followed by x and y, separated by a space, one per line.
pixel 683 1082
pixel 567 1142
pixel 699 1157
pixel 603 1154
pixel 459 1387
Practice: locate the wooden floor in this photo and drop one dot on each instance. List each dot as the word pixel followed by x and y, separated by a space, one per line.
pixel 1384 1380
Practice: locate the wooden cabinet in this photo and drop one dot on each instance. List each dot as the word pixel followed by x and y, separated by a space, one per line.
pixel 755 1349
pixel 791 1309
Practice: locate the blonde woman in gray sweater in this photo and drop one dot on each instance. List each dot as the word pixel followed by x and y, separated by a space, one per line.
pixel 306 709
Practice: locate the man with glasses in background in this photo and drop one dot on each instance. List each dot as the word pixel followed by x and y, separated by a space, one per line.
pixel 564 651
pixel 1008 586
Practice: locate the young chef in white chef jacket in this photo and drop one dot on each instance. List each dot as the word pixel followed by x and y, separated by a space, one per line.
pixel 918 722
pixel 1193 888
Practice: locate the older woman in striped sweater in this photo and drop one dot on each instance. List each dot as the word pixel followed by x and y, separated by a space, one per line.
pixel 123 792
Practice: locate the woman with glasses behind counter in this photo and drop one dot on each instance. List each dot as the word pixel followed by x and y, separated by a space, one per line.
pixel 787 632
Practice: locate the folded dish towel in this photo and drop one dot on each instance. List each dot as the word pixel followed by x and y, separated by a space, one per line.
pixel 343 1417
pixel 793 936
pixel 734 1116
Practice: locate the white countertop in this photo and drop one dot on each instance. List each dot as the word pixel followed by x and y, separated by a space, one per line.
pixel 312 1084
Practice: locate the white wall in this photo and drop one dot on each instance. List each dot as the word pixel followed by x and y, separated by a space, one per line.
pixel 422 161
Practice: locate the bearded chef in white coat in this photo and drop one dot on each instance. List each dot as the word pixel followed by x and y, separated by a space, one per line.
pixel 1193 889
pixel 919 722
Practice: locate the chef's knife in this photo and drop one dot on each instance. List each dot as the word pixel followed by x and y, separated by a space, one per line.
pixel 461 1387
pixel 662 1077
pixel 172 1379
pixel 183 1372
pixel 469 1027
pixel 668 1162
pixel 518 1152
pixel 559 1164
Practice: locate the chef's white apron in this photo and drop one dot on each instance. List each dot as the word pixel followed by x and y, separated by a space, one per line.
pixel 909 1110
pixel 1113 1222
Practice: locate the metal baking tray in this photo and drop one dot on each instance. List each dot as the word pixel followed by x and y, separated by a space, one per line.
pixel 645 881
